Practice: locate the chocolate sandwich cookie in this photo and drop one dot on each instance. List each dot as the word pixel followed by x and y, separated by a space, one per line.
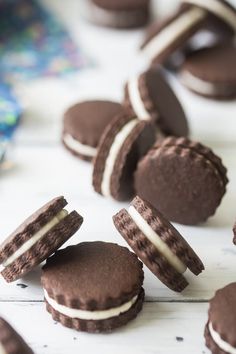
pixel 10 341
pixel 211 72
pixel 93 286
pixel 37 238
pixel 157 243
pixel 164 38
pixel 120 13
pixel 183 179
pixel 150 97
pixel 84 124
pixel 123 143
pixel 221 15
pixel 221 326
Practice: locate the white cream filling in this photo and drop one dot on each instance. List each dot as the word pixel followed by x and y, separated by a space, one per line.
pixel 174 30
pixel 38 236
pixel 76 146
pixel 90 315
pixel 197 84
pixel 2 349
pixel 156 240
pixel 226 347
pixel 113 153
pixel 218 9
pixel 136 100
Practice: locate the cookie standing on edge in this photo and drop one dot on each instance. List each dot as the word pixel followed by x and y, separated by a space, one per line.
pixel 84 124
pixel 221 326
pixel 183 179
pixel 10 341
pixel 119 13
pixel 123 143
pixel 93 286
pixel 150 97
pixel 211 72
pixel 157 243
pixel 164 38
pixel 37 238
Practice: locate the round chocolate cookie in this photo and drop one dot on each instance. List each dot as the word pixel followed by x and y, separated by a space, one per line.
pixel 150 97
pixel 157 243
pixel 120 13
pixel 84 124
pixel 37 238
pixel 221 325
pixel 123 143
pixel 93 286
pixel 211 72
pixel 165 37
pixel 185 180
pixel 10 341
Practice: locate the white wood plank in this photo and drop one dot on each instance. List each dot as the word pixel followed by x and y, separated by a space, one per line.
pixel 154 331
pixel 44 172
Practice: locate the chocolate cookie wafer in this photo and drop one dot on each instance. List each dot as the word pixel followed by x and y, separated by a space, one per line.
pixel 93 286
pixel 123 143
pixel 10 341
pixel 37 238
pixel 157 243
pixel 183 179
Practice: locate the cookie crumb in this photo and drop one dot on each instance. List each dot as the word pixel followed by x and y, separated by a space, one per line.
pixel 22 286
pixel 179 339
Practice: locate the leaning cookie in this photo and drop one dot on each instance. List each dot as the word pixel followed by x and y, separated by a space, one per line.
pixel 157 243
pixel 164 38
pixel 221 325
pixel 93 286
pixel 84 124
pixel 119 13
pixel 211 72
pixel 183 179
pixel 149 97
pixel 123 143
pixel 37 238
pixel 10 341
pixel 221 14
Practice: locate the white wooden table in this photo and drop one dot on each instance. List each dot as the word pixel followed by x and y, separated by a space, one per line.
pixel 169 323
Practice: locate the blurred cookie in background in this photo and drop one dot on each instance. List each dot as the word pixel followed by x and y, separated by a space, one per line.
pixel 211 72
pixel 119 13
pixel 84 124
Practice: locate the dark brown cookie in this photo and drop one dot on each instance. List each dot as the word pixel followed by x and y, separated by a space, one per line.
pixel 10 341
pixel 220 328
pixel 221 15
pixel 93 286
pixel 157 243
pixel 150 97
pixel 37 238
pixel 163 38
pixel 120 13
pixel 211 72
pixel 234 231
pixel 123 143
pixel 84 124
pixel 185 180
